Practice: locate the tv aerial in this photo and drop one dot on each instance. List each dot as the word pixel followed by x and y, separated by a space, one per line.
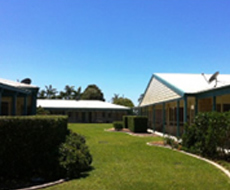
pixel 212 78
pixel 26 81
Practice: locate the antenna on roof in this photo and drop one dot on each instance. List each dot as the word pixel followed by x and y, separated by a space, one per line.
pixel 26 81
pixel 212 78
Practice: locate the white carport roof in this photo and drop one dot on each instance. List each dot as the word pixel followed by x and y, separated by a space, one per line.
pixel 78 104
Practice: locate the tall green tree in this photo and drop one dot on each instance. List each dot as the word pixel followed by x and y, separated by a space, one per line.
pixel 70 93
pixel 41 94
pixel 123 102
pixel 50 92
pixel 61 95
pixel 77 94
pixel 92 92
pixel 115 98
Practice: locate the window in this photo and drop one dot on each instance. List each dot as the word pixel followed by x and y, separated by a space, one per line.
pixel 172 116
pixel 218 107
pixel 226 107
pixel 181 116
pixel 83 118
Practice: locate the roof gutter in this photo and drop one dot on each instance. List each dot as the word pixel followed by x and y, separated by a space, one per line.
pixel 11 88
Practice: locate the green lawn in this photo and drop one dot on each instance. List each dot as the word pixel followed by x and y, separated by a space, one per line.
pixel 124 162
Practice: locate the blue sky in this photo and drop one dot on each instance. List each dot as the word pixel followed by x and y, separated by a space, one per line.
pixel 115 44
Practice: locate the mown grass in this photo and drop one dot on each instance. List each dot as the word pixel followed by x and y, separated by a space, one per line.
pixel 124 162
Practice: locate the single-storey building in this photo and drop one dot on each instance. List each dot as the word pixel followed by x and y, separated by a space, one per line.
pixel 17 98
pixel 171 100
pixel 85 111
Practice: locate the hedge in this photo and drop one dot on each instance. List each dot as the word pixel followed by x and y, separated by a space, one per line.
pixel 125 121
pixel 138 123
pixel 29 146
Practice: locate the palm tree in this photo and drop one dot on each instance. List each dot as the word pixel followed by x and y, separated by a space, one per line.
pixel 41 94
pixel 77 94
pixel 50 92
pixel 69 92
pixel 61 95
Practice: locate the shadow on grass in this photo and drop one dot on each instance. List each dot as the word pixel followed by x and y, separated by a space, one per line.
pixel 84 174
pixel 6 184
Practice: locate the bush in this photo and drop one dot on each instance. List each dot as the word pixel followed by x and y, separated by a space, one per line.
pixel 171 142
pixel 209 135
pixel 138 123
pixel 118 125
pixel 29 146
pixel 42 111
pixel 74 155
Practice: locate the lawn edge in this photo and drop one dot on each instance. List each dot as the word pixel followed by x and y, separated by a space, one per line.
pixel 43 185
pixel 224 170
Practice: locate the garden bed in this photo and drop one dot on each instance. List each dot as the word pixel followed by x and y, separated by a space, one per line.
pixel 125 130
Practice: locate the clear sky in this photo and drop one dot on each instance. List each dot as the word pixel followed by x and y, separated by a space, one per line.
pixel 115 44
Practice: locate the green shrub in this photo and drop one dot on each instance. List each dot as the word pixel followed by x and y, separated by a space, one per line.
pixel 138 123
pixel 118 125
pixel 171 142
pixel 74 155
pixel 209 135
pixel 29 146
pixel 41 111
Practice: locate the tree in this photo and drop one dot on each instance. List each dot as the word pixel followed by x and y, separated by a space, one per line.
pixel 92 92
pixel 115 98
pixel 50 92
pixel 61 95
pixel 77 94
pixel 70 93
pixel 41 94
pixel 124 102
pixel 42 111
